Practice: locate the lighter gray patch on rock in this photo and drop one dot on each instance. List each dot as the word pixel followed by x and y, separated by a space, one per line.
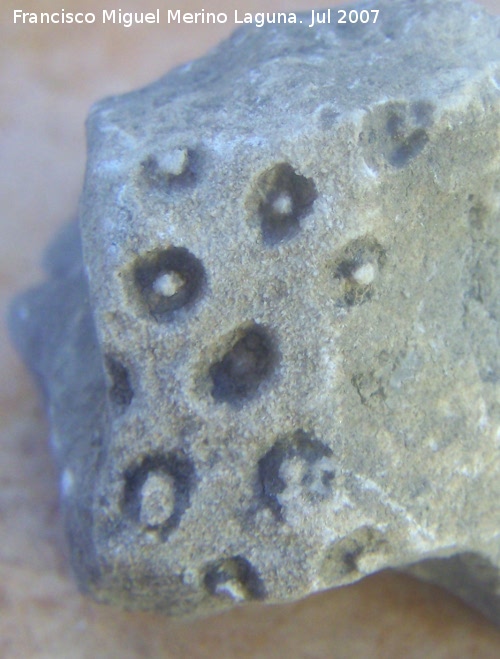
pixel 157 499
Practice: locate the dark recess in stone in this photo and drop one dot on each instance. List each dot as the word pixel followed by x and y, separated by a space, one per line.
pixel 343 556
pixel 181 263
pixel 357 253
pixel 477 215
pixel 396 132
pixel 300 445
pixel 409 147
pixel 174 464
pixel 285 197
pixel 249 362
pixel 120 392
pixel 240 572
pixel 350 558
pixel 157 178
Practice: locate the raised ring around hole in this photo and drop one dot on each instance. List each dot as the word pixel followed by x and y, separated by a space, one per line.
pixel 157 491
pixel 168 280
pixel 283 198
pixel 309 457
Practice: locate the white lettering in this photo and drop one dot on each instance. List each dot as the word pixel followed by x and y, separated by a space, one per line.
pixel 247 18
pixel 259 19
pixel 262 18
pixel 198 17
pixel 126 18
pixel 129 18
pixel 174 16
pixel 108 15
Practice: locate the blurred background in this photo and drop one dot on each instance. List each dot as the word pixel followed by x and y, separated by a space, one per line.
pixel 49 77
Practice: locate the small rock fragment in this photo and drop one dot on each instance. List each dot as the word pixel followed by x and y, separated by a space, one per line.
pixel 273 365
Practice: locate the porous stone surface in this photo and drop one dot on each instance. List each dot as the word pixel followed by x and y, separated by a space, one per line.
pixel 274 366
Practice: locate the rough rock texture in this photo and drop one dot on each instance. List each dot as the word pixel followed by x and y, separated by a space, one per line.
pixel 276 367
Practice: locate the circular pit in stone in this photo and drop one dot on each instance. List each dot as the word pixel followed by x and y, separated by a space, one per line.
pixel 168 280
pixel 157 491
pixel 249 362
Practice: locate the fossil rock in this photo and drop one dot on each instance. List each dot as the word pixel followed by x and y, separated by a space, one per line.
pixel 275 368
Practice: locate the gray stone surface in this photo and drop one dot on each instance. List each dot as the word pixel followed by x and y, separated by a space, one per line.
pixel 275 367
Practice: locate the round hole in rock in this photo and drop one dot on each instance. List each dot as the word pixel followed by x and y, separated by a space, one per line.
pixel 306 456
pixel 234 578
pixel 284 198
pixel 168 280
pixel 249 361
pixel 120 392
pixel 358 268
pixel 157 491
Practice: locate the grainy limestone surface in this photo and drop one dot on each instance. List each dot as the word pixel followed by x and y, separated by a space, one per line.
pixel 270 348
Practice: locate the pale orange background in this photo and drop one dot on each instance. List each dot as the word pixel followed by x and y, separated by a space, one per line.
pixel 49 76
